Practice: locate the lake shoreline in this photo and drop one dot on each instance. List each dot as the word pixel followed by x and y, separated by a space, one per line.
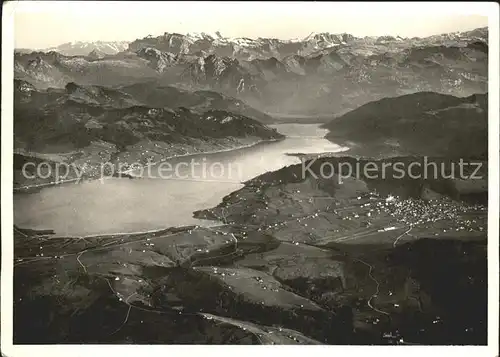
pixel 126 174
pixel 260 142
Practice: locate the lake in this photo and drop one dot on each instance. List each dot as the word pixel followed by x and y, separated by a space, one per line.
pixel 164 195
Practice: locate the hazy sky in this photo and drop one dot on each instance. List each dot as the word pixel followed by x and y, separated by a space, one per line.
pixel 45 24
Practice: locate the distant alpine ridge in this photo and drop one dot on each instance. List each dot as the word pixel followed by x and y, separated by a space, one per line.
pixel 320 74
pixel 80 48
pixel 247 48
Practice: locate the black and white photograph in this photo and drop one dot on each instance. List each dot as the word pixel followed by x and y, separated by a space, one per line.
pixel 250 173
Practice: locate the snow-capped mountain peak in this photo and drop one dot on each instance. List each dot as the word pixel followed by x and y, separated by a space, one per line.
pixel 82 48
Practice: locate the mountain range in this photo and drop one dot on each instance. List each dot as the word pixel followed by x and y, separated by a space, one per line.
pixel 320 74
pixel 82 48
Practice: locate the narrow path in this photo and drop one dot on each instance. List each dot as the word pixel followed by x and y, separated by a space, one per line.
pixel 374 295
pixel 401 236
